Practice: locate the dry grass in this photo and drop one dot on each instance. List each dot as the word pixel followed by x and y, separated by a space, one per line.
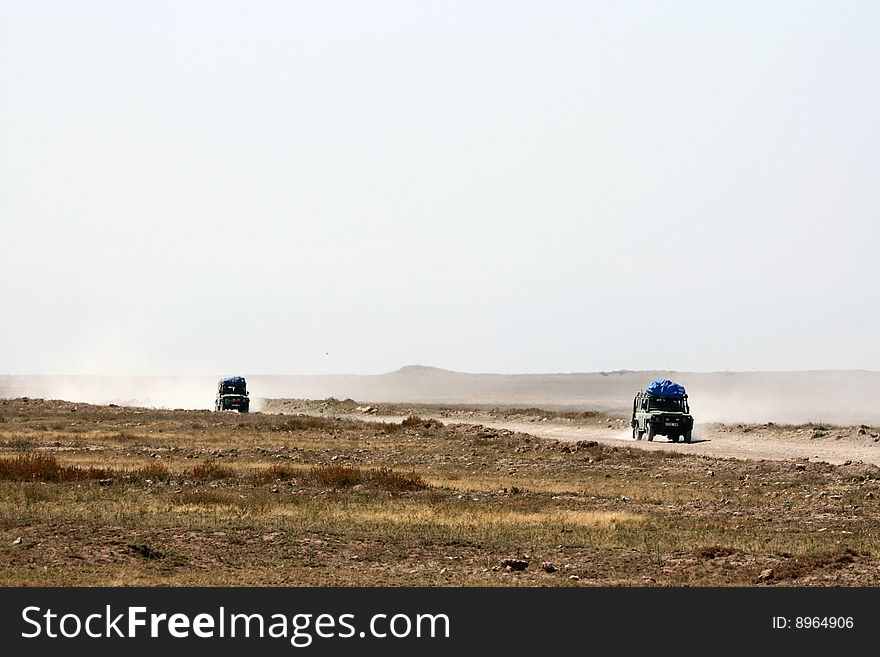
pixel 96 493
pixel 151 471
pixel 221 504
pixel 335 476
pixel 801 565
pixel 44 467
pixel 431 518
pixel 395 482
pixel 275 473
pixel 341 476
pixel 211 471
pixel 18 443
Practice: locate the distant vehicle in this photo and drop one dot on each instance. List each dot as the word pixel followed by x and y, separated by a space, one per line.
pixel 662 409
pixel 232 395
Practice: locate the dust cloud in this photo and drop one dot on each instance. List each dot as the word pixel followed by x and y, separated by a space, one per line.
pixel 145 391
pixel 838 397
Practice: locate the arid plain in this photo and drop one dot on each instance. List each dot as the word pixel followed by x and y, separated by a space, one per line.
pixel 441 492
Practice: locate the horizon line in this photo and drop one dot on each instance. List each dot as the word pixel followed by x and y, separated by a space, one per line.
pixel 432 368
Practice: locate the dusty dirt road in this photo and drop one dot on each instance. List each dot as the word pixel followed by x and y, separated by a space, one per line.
pixel 722 442
pixel 831 444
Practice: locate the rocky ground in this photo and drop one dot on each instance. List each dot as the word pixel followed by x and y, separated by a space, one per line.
pixel 768 440
pixel 107 495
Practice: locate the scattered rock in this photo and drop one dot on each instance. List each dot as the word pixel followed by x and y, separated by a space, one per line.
pixel 514 564
pixel 573 578
pixel 549 567
pixel 869 495
pixel 800 466
pixel 710 473
pixel 17 541
pixel 766 575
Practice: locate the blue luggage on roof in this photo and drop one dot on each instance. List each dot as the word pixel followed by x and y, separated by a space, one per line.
pixel 665 389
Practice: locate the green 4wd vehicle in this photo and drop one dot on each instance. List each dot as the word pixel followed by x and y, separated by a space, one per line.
pixel 232 395
pixel 662 410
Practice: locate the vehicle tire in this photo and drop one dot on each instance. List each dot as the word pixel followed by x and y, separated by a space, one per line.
pixel 687 436
pixel 650 434
pixel 635 433
pixel 674 438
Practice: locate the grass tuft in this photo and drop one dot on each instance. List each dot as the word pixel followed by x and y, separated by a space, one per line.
pixel 335 476
pixel 18 443
pixel 344 476
pixel 274 473
pixel 43 467
pixel 395 482
pixel 211 471
pixel 151 471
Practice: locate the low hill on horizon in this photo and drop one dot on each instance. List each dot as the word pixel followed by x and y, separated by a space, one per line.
pixel 839 396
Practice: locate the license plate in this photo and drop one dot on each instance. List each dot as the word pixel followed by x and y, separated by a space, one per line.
pixel 672 424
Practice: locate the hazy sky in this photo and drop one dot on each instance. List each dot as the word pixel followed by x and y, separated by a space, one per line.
pixel 307 187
